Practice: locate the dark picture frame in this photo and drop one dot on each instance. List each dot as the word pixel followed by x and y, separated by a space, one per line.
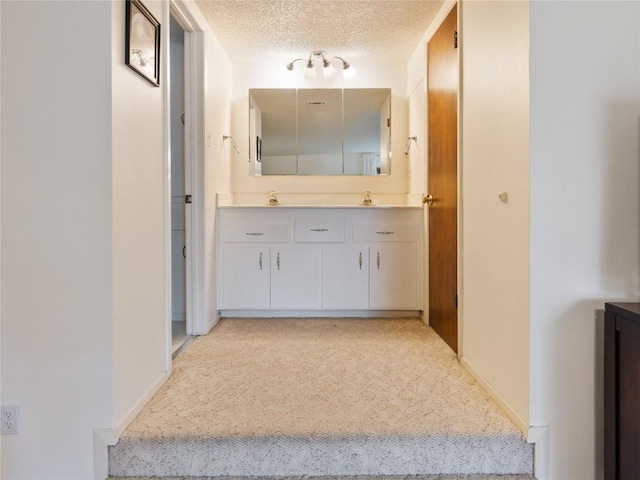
pixel 142 42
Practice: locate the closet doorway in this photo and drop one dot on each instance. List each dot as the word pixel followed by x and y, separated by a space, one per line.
pixel 183 90
pixel 180 193
pixel 442 98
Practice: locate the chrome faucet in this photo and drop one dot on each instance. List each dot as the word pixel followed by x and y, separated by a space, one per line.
pixel 367 199
pixel 273 200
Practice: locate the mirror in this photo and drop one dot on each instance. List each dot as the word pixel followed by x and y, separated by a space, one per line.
pixel 320 131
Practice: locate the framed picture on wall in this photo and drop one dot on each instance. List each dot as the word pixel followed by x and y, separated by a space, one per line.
pixel 142 41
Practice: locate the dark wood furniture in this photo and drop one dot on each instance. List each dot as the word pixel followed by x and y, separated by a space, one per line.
pixel 622 391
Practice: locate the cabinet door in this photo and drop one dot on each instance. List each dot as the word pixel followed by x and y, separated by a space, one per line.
pixel 245 277
pixel 393 277
pixel 295 277
pixel 345 277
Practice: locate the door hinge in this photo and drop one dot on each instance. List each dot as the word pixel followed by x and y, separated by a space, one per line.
pixel 455 302
pixel 187 199
pixel 455 39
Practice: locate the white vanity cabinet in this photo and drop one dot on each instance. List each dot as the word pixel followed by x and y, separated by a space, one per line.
pixel 319 258
pixel 245 277
pixel 393 277
pixel 295 278
pixel 345 277
pixel 393 262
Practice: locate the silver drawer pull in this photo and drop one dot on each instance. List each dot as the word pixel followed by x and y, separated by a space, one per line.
pixel 360 260
pixel 319 229
pixel 386 233
pixel 378 260
pixel 278 260
pixel 254 234
pixel 260 261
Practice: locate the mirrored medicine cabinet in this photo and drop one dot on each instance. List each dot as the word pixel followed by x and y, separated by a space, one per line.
pixel 320 131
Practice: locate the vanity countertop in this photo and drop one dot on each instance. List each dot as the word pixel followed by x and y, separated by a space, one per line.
pixel 324 207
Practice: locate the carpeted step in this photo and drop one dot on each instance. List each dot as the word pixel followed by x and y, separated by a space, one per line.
pixel 283 456
pixel 320 397
pixel 359 477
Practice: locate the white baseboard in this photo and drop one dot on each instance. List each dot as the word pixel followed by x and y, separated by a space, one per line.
pixel 215 318
pixel 515 418
pixel 133 413
pixel 105 437
pixel 540 437
pixel 100 453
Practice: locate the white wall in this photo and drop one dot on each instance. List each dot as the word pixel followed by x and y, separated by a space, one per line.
pixel 585 213
pixel 494 236
pixel 218 88
pixel 138 175
pixel 83 248
pixel 418 148
pixel 56 234
pixel 576 245
pixel 271 73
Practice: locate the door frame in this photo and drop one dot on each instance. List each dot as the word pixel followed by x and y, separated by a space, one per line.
pixel 460 175
pixel 194 172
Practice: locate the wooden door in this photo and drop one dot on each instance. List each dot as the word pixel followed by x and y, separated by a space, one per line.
pixel 442 98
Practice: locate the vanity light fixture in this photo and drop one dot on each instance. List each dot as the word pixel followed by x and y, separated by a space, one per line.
pixel 328 70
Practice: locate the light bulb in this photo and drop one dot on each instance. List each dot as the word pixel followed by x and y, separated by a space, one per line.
pixel 349 72
pixel 328 70
pixel 310 72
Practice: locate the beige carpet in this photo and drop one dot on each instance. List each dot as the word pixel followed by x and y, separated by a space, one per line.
pixel 319 397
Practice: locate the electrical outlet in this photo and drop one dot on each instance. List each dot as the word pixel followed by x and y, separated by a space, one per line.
pixel 9 420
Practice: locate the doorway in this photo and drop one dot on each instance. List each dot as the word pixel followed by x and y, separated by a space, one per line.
pixel 442 97
pixel 180 211
pixel 184 182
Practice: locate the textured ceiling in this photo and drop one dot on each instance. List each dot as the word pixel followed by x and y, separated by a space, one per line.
pixel 350 28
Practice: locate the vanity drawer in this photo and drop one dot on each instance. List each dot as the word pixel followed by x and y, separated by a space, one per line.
pixel 254 233
pixel 385 233
pixel 314 229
